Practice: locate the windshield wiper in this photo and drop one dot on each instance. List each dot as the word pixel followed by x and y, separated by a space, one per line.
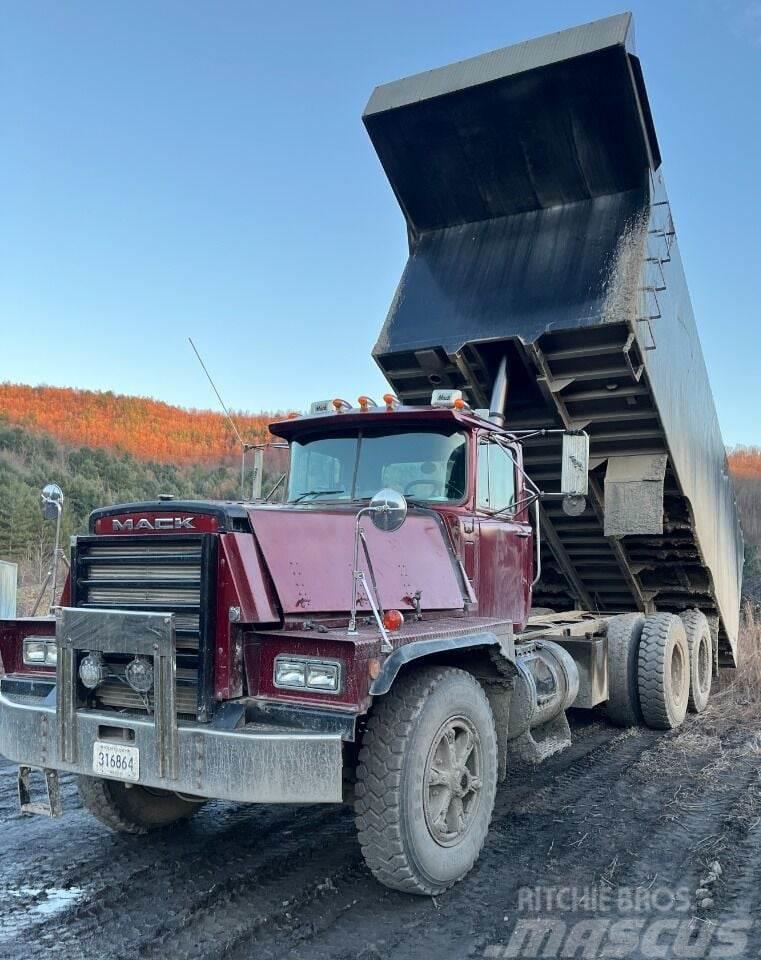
pixel 314 493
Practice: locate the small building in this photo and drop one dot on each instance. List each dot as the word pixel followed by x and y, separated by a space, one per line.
pixel 8 584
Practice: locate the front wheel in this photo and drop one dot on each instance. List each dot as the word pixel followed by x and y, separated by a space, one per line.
pixel 130 808
pixel 426 780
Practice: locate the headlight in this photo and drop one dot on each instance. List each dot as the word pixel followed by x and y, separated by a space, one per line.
pixel 40 652
pixel 322 676
pixel 290 673
pixel 299 674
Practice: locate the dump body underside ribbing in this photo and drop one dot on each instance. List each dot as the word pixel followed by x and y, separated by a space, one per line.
pixel 540 228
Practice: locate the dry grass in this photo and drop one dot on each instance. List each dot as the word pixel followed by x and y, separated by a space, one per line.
pixel 740 690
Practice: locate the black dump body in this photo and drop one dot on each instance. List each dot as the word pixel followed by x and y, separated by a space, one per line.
pixel 539 228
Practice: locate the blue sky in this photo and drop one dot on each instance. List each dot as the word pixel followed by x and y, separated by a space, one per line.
pixel 195 168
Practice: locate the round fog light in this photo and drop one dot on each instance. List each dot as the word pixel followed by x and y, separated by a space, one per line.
pixel 92 670
pixel 139 674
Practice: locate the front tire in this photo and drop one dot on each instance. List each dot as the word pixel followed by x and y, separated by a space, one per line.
pixel 130 808
pixel 426 780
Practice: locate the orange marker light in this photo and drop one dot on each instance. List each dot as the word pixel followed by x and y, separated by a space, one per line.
pixel 374 668
pixel 390 400
pixel 459 404
pixel 393 619
pixel 366 402
pixel 340 405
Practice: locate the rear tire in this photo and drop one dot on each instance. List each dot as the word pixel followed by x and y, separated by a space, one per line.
pixel 700 645
pixel 663 671
pixel 426 780
pixel 624 635
pixel 132 808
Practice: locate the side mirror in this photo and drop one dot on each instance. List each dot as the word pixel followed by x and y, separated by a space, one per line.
pixel 574 480
pixel 52 501
pixel 388 510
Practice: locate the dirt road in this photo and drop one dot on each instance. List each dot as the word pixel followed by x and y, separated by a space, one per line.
pixel 596 838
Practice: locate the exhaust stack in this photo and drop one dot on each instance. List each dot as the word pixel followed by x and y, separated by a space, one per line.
pixel 498 401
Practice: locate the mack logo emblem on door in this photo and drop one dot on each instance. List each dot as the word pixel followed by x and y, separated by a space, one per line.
pixel 160 523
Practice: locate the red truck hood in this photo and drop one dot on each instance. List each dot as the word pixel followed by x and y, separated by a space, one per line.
pixel 309 552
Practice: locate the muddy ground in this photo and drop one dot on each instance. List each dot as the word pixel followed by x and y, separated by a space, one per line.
pixel 601 848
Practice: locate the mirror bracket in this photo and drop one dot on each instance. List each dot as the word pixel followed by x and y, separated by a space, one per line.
pixel 388 511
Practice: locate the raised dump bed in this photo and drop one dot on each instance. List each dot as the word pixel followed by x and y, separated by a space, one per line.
pixel 539 228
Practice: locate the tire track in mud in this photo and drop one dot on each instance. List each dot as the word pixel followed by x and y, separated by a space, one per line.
pixel 128 885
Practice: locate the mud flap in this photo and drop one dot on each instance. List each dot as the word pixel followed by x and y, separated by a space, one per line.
pixel 538 744
pixel 51 805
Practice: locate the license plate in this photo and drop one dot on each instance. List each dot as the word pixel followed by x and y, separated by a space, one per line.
pixel 115 760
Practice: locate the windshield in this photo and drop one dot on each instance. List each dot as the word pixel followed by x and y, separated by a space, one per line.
pixel 423 465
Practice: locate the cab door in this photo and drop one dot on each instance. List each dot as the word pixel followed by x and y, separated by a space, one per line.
pixel 505 537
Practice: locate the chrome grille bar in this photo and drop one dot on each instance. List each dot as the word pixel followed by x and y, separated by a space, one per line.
pixel 149 574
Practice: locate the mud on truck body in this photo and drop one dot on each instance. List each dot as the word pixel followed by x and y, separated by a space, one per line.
pixel 538 517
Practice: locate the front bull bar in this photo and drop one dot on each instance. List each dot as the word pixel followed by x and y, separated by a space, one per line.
pixel 118 631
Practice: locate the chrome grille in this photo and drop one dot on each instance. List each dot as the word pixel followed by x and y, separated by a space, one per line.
pixel 146 573
pixel 138 594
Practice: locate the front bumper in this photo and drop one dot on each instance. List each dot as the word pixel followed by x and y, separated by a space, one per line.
pixel 253 764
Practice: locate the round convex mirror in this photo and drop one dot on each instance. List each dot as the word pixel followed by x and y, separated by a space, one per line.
pixel 388 510
pixel 52 500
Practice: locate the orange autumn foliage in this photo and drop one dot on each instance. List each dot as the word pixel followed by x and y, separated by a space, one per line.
pixel 745 461
pixel 148 429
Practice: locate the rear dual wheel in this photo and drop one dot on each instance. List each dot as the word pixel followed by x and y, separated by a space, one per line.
pixel 663 671
pixel 658 667
pixel 700 644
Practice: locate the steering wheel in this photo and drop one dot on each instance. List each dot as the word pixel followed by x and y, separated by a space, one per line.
pixel 433 484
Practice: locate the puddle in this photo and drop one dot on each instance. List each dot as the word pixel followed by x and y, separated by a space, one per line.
pixel 48 902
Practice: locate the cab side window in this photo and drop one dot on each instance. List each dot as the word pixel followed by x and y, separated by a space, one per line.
pixel 496 477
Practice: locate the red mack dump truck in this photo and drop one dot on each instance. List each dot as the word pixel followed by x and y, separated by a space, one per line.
pixel 538 514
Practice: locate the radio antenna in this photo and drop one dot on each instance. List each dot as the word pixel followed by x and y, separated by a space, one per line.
pixel 243 445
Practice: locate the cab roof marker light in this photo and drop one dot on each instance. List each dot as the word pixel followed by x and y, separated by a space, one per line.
pixel 340 406
pixel 366 402
pixel 391 401
pixel 453 399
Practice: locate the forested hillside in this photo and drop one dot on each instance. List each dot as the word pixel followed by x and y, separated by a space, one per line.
pixel 147 429
pixel 90 478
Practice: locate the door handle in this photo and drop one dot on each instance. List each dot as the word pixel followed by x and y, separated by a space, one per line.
pixel 524 534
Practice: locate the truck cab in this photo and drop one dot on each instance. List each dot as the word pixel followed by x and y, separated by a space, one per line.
pixel 445 459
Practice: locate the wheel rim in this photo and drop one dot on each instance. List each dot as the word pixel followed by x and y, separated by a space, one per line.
pixel 678 675
pixel 704 665
pixel 452 781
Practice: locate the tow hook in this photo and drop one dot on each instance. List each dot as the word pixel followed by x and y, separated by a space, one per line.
pixel 50 806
